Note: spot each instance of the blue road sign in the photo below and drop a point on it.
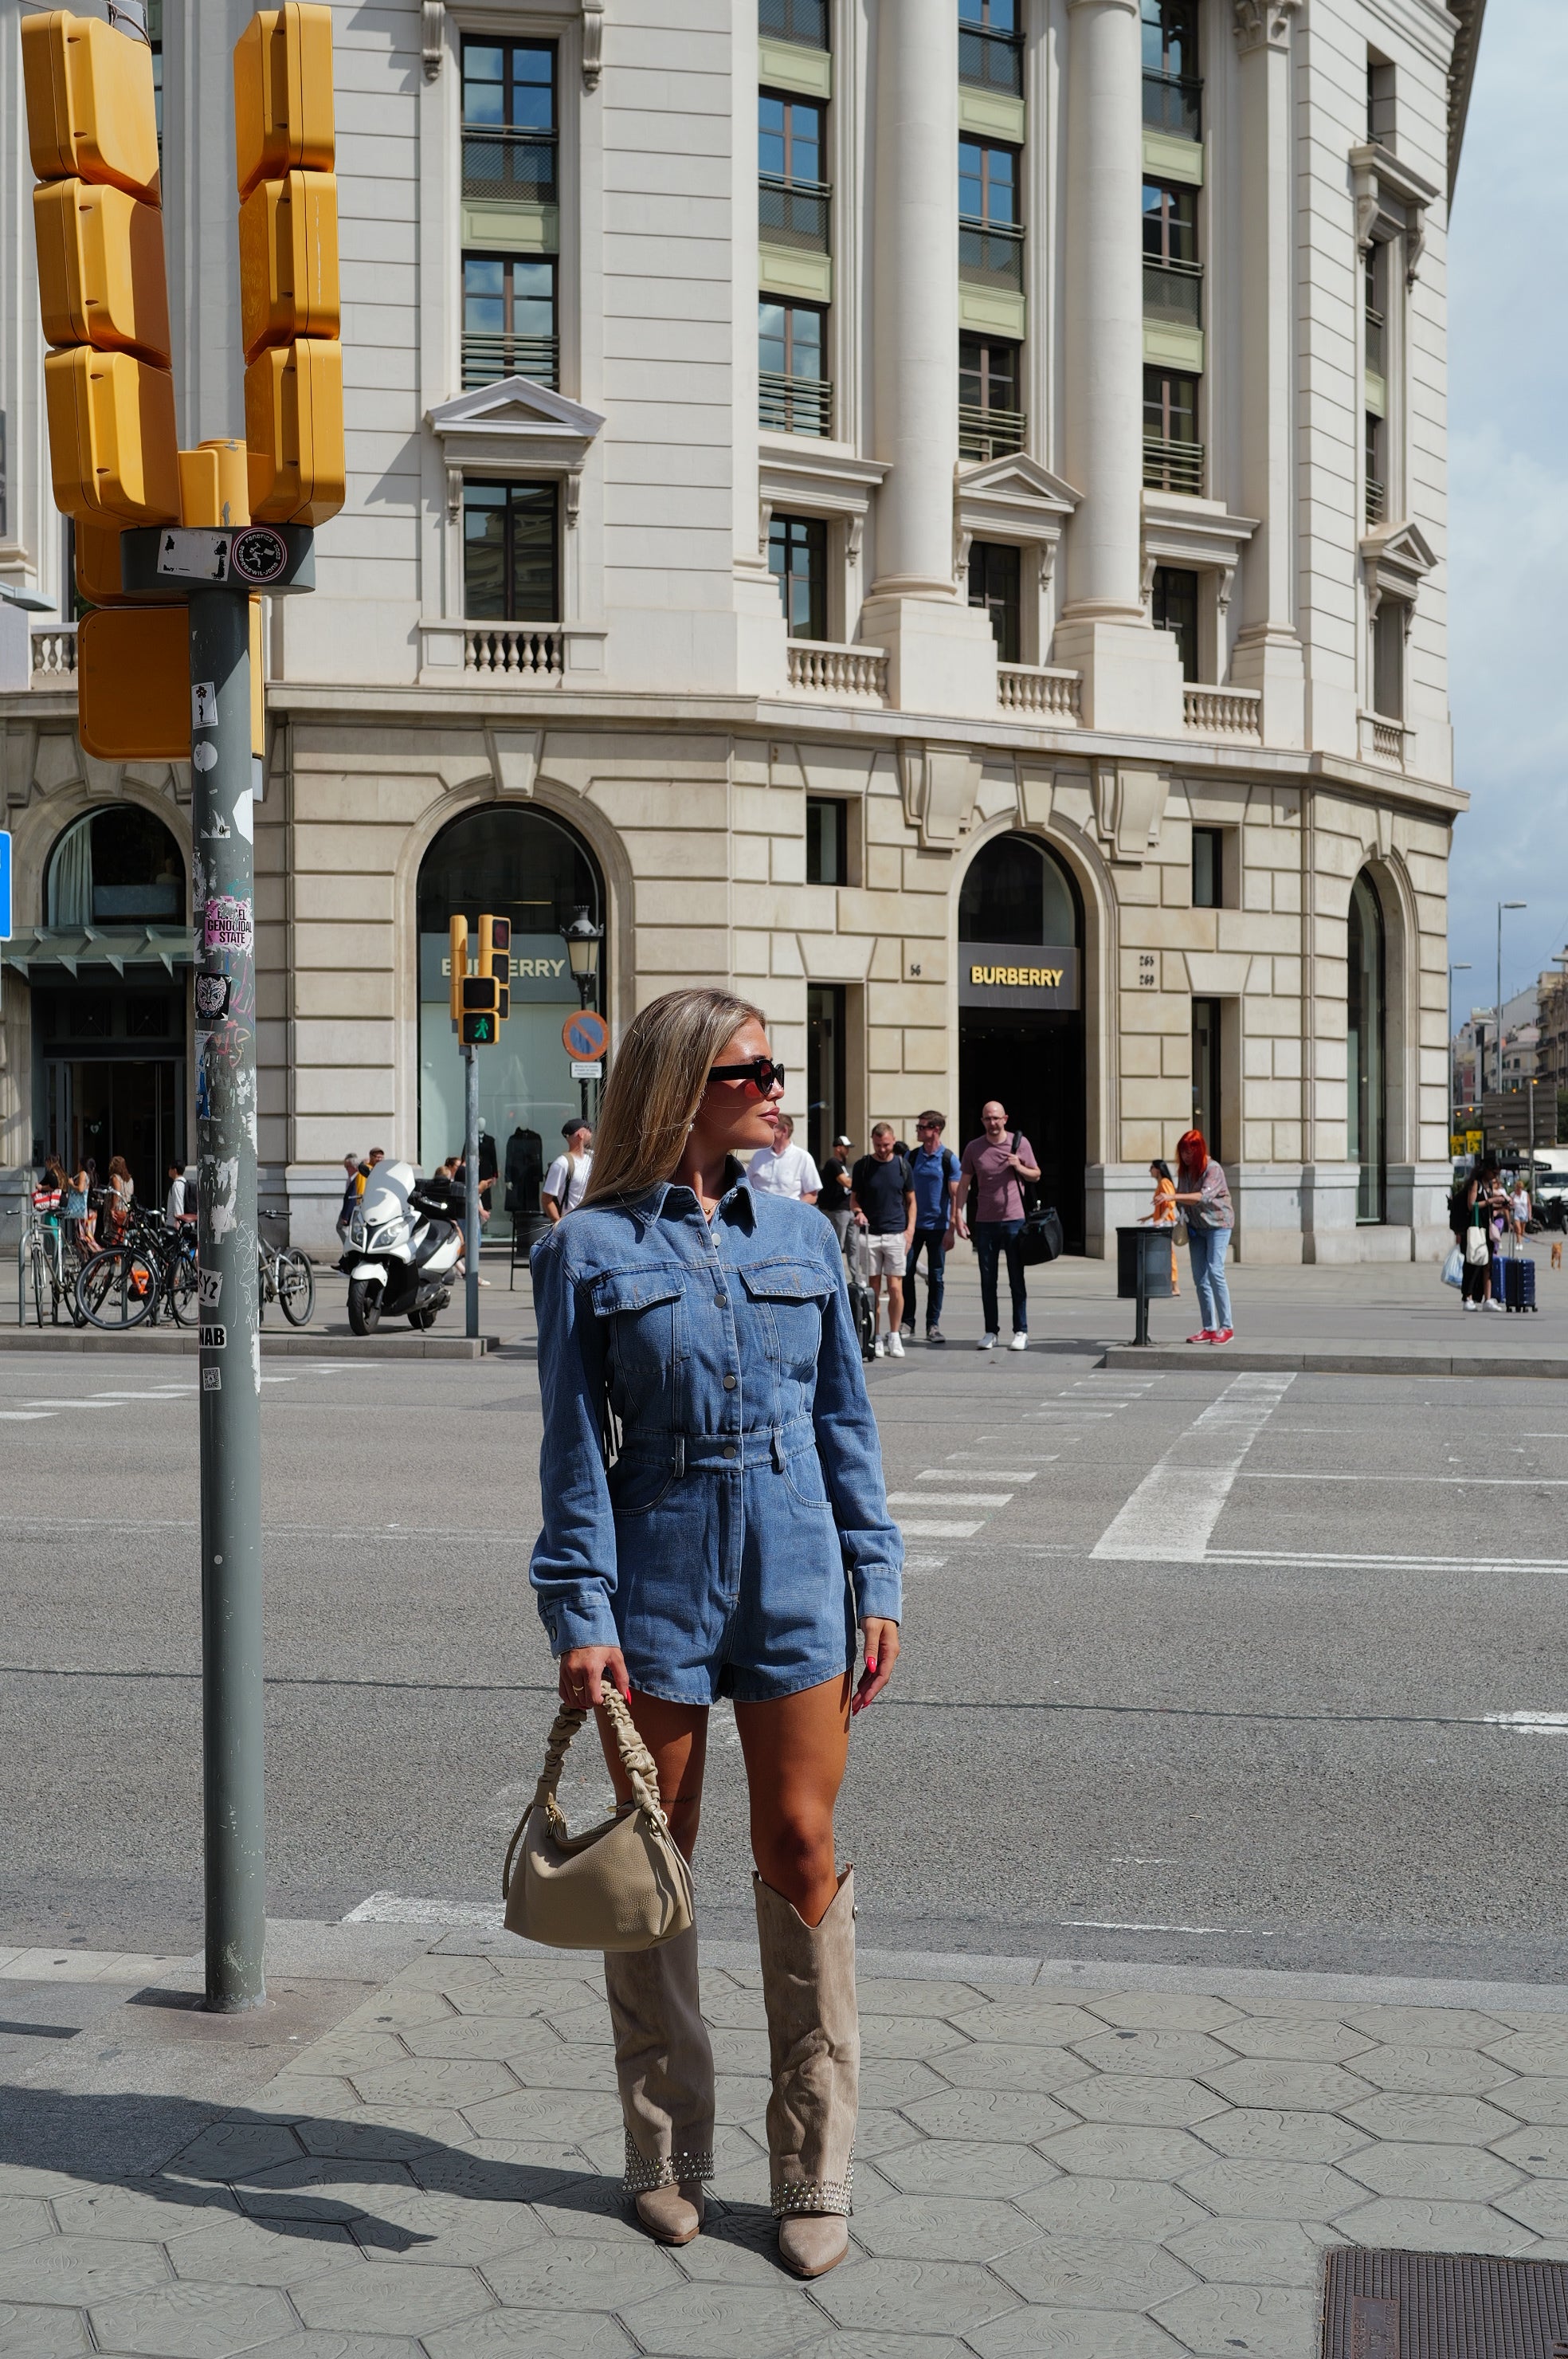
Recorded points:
(5, 887)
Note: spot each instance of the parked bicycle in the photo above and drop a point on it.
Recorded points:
(48, 1266)
(284, 1275)
(152, 1270)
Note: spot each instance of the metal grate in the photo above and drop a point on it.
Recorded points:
(1174, 103)
(989, 433)
(990, 59)
(990, 253)
(1172, 466)
(489, 357)
(1384, 2305)
(793, 212)
(795, 404)
(517, 167)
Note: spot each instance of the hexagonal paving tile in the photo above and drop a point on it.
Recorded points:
(346, 2053)
(1431, 2121)
(1427, 2026)
(519, 2000)
(246, 2253)
(1540, 2203)
(1268, 2321)
(192, 2321)
(587, 2272)
(490, 2038)
(1460, 2174)
(882, 2347)
(1142, 2097)
(1256, 2252)
(1543, 2151)
(1162, 2011)
(591, 2023)
(398, 2010)
(1540, 2051)
(24, 2219)
(1288, 2088)
(1088, 2272)
(1074, 2335)
(1420, 2227)
(941, 2228)
(1017, 2020)
(875, 2133)
(498, 2170)
(527, 2334)
(907, 2035)
(1284, 2136)
(1120, 2150)
(30, 2332)
(450, 2229)
(1248, 2189)
(323, 2343)
(81, 2269)
(989, 2113)
(920, 2295)
(1434, 2071)
(149, 2210)
(1535, 2100)
(378, 2296)
(715, 2322)
(234, 2148)
(434, 2081)
(1190, 2054)
(545, 2114)
(1295, 2039)
(323, 2187)
(993, 2064)
(965, 2167)
(1138, 2208)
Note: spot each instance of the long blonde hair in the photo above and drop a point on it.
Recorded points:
(655, 1086)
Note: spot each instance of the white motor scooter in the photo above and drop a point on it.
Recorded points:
(404, 1245)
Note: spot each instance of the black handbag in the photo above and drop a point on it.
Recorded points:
(1042, 1239)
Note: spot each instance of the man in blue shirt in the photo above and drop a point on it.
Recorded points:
(936, 1173)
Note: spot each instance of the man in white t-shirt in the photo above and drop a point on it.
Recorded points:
(783, 1169)
(567, 1178)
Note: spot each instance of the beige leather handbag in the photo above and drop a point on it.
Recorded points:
(621, 1886)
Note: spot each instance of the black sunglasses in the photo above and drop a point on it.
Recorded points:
(761, 1071)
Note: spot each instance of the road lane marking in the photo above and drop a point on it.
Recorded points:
(1342, 1561)
(1172, 1514)
(1463, 1481)
(929, 1531)
(950, 1499)
(1530, 1723)
(997, 1474)
(24, 1416)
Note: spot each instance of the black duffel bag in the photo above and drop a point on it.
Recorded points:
(1041, 1238)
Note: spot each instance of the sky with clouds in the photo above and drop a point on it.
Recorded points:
(1508, 504)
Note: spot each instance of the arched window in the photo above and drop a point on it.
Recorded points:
(530, 868)
(1367, 1026)
(1016, 891)
(120, 866)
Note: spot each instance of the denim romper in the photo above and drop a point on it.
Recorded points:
(710, 1471)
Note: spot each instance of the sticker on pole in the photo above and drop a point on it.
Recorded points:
(259, 554)
(230, 926)
(212, 997)
(212, 1289)
(214, 1339)
(194, 556)
(203, 705)
(585, 1037)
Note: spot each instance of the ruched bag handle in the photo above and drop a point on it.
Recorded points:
(635, 1759)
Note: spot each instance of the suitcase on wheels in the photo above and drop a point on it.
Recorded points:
(1518, 1281)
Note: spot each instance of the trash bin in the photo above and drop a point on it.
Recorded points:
(1144, 1270)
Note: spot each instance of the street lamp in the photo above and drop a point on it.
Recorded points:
(1501, 907)
(583, 939)
(1455, 966)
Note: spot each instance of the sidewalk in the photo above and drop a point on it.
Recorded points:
(1054, 2162)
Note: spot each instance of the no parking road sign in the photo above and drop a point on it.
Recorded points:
(585, 1037)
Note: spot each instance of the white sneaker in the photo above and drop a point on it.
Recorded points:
(1469, 1306)
(895, 1347)
(879, 1348)
(1019, 1341)
(986, 1344)
(1490, 1305)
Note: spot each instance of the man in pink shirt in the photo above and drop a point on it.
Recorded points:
(998, 1163)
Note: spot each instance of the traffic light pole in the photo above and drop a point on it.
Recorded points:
(222, 826)
(471, 1184)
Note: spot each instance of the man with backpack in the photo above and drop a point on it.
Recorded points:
(882, 1193)
(936, 1177)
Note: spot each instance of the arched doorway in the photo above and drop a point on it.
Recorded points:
(531, 867)
(107, 975)
(1366, 1023)
(1020, 1021)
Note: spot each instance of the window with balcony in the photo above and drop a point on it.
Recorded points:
(1173, 275)
(1175, 608)
(804, 22)
(996, 585)
(827, 840)
(795, 398)
(797, 560)
(1172, 93)
(1376, 478)
(1173, 454)
(990, 50)
(1379, 101)
(510, 122)
(792, 197)
(990, 420)
(511, 552)
(990, 228)
(509, 317)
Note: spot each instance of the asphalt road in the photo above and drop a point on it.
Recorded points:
(1241, 1688)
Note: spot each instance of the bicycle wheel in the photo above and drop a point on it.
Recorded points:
(185, 1287)
(117, 1288)
(296, 1287)
(36, 1256)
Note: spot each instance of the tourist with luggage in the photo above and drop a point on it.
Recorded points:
(996, 1166)
(938, 1177)
(1204, 1199)
(882, 1195)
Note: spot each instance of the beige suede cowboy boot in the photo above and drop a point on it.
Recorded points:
(814, 2040)
(663, 2064)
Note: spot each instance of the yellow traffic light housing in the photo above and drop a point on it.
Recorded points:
(283, 94)
(477, 1031)
(481, 992)
(289, 261)
(294, 426)
(90, 111)
(132, 683)
(100, 269)
(112, 450)
(458, 965)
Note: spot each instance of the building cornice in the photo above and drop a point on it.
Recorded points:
(1467, 15)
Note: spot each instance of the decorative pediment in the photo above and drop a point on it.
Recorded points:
(1391, 201)
(795, 471)
(1014, 498)
(1398, 558)
(1200, 534)
(516, 423)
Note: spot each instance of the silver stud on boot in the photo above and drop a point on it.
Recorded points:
(663, 2065)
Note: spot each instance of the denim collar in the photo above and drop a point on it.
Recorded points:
(737, 1204)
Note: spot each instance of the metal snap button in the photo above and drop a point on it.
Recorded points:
(730, 1384)
(730, 1453)
(723, 1300)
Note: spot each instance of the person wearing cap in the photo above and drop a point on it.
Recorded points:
(833, 1197)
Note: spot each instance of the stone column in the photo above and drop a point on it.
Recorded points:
(1268, 652)
(942, 656)
(761, 645)
(1131, 675)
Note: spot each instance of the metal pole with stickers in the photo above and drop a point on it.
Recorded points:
(175, 550)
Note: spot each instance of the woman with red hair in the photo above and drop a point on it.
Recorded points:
(1204, 1199)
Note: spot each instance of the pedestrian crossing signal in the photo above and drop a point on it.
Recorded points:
(480, 993)
(477, 1031)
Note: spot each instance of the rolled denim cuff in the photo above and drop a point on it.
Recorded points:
(583, 1621)
(879, 1590)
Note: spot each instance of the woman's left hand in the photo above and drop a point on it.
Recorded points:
(880, 1639)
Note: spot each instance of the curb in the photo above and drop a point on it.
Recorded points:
(1370, 1363)
(184, 1344)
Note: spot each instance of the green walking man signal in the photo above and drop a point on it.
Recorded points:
(478, 1031)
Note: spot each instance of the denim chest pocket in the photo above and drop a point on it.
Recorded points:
(643, 1313)
(789, 1298)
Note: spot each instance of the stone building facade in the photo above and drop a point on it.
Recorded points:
(933, 514)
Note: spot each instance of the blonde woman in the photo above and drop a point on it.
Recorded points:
(716, 1525)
